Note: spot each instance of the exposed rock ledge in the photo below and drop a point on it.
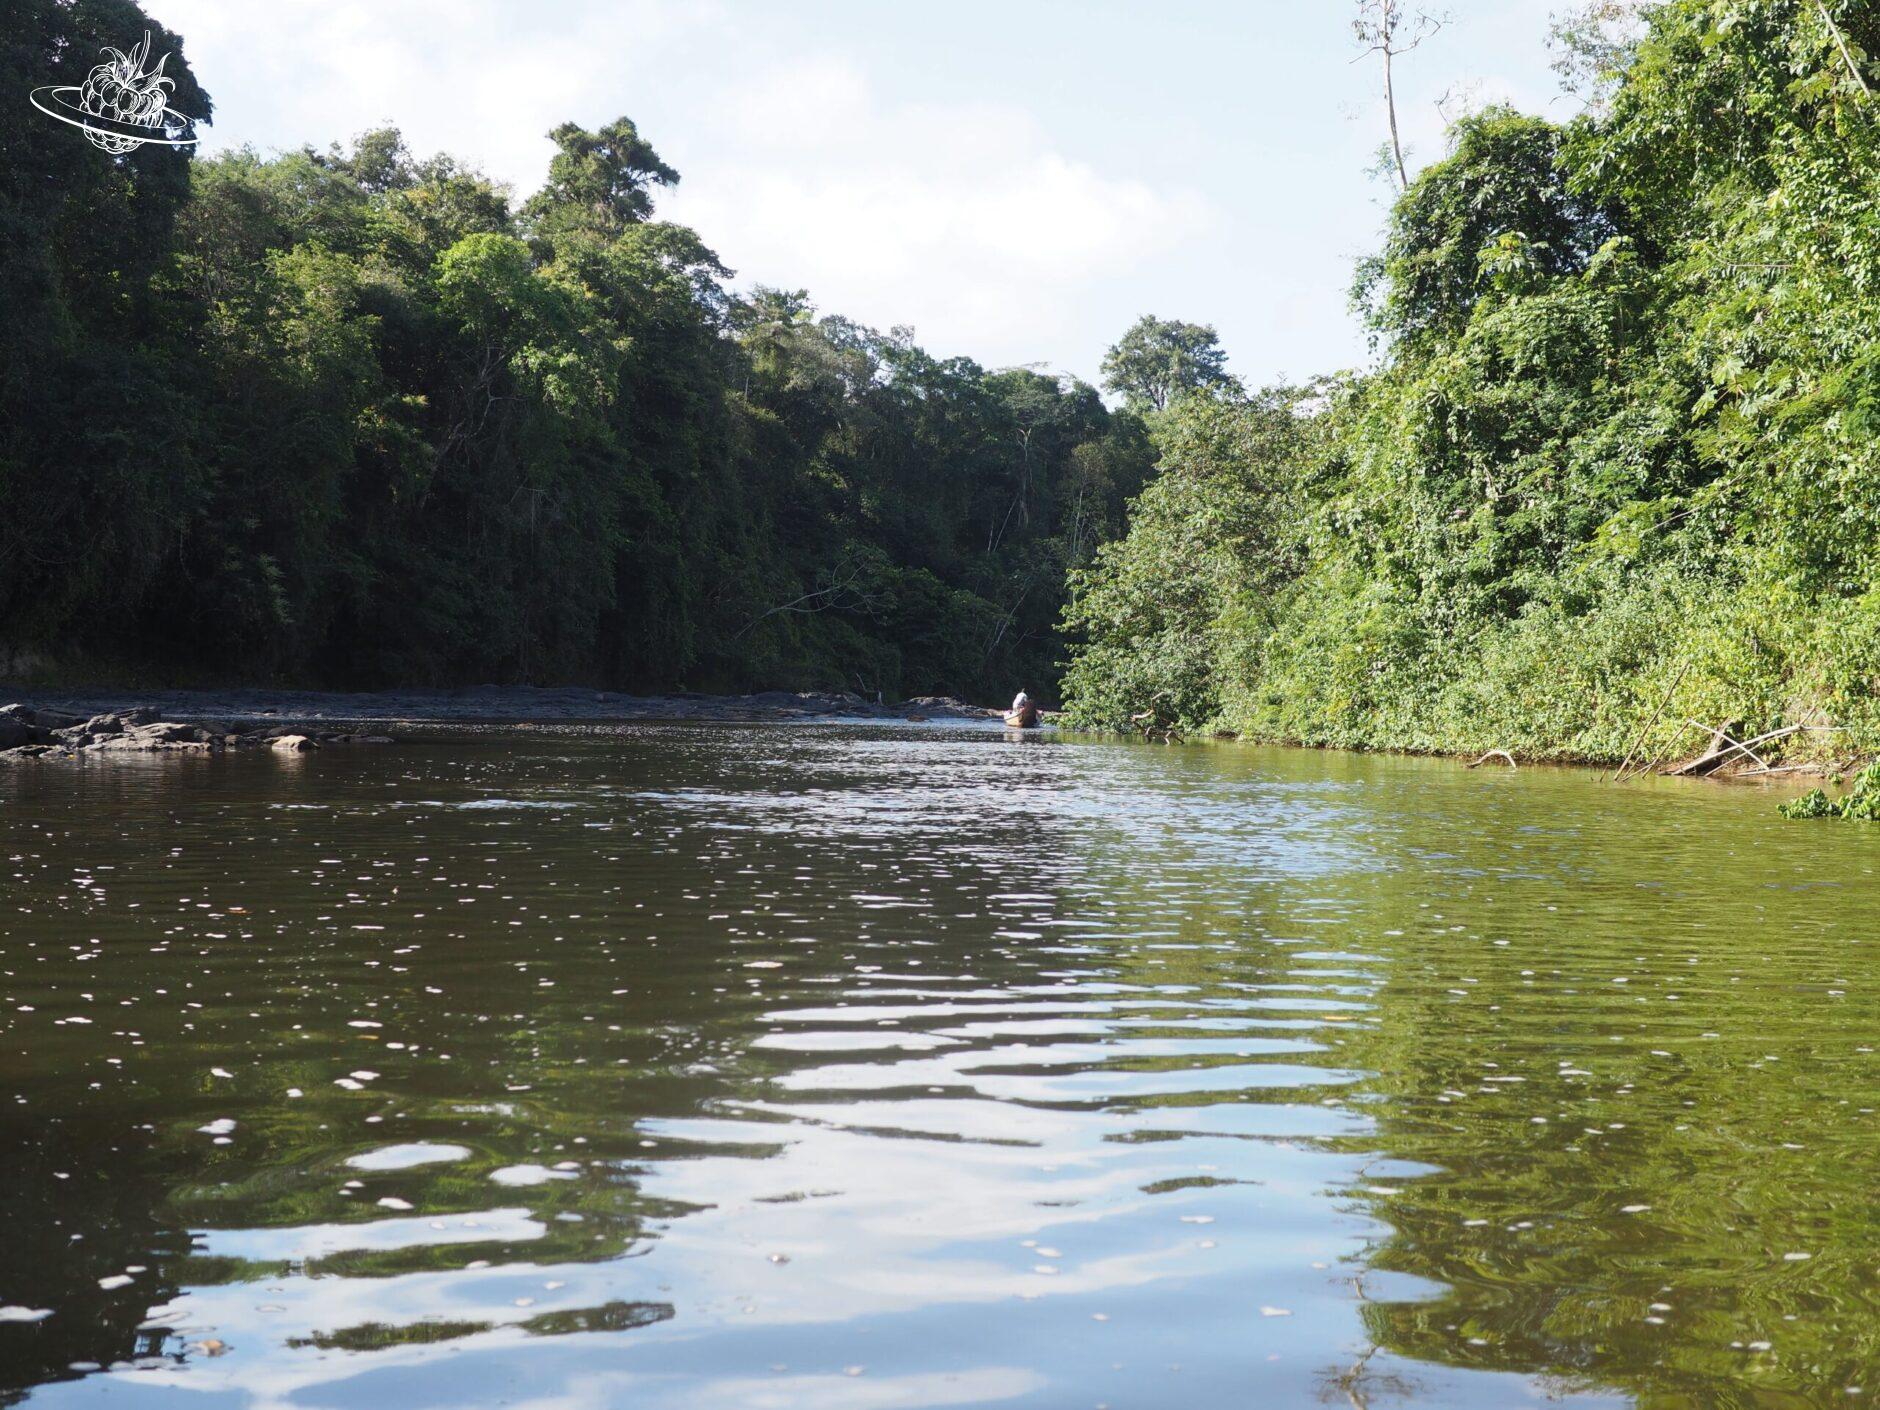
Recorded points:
(71, 724)
(29, 732)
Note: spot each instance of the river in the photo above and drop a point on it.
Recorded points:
(902, 1066)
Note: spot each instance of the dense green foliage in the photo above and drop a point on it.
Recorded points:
(1160, 360)
(1618, 468)
(1861, 803)
(357, 418)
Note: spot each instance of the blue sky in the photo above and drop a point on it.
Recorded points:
(1018, 180)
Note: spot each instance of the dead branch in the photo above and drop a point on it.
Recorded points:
(1676, 682)
(1709, 762)
(1376, 28)
(1715, 757)
(821, 600)
(1148, 722)
(1495, 754)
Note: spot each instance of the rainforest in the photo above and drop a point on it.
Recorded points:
(1615, 480)
(358, 417)
(517, 883)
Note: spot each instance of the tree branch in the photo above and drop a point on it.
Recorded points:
(1840, 42)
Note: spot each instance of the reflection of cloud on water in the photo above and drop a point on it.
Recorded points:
(980, 1386)
(311, 1241)
(935, 787)
(407, 1155)
(869, 1050)
(866, 1228)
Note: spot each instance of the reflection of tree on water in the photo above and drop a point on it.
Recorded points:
(1647, 1171)
(95, 1191)
(608, 1317)
(1609, 1146)
(77, 1212)
(1357, 1383)
(89, 1201)
(588, 1072)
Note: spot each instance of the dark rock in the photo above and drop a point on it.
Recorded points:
(104, 724)
(44, 718)
(15, 732)
(946, 707)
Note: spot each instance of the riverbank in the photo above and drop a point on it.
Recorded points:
(1721, 758)
(52, 723)
(29, 732)
(45, 724)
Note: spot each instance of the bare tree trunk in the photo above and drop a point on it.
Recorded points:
(1381, 28)
(1389, 25)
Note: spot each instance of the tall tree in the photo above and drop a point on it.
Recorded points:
(599, 181)
(1618, 469)
(1160, 360)
(1386, 29)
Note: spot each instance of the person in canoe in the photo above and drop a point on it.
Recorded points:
(1023, 714)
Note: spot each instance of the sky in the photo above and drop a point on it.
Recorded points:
(1017, 180)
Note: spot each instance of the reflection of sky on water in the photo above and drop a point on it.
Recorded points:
(871, 1068)
(936, 794)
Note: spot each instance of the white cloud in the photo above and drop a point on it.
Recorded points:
(1018, 201)
(968, 220)
(482, 79)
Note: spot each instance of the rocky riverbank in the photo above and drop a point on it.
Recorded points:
(28, 732)
(68, 724)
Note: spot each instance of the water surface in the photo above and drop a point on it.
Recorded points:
(890, 1067)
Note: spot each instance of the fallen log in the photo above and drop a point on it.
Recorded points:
(1717, 756)
(1723, 749)
(1495, 754)
(1723, 746)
